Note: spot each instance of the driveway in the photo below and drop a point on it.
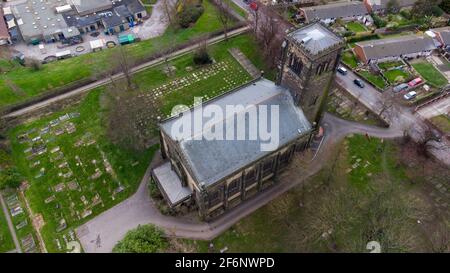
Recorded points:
(103, 232)
(157, 24)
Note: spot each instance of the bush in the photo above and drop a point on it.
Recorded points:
(379, 23)
(361, 38)
(201, 56)
(143, 239)
(35, 65)
(10, 178)
(189, 15)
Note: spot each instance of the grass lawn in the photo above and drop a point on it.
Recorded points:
(366, 196)
(442, 122)
(6, 242)
(81, 173)
(236, 8)
(396, 75)
(391, 64)
(429, 73)
(377, 80)
(22, 83)
(355, 27)
(349, 59)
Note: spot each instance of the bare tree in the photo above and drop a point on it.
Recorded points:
(223, 16)
(132, 121)
(123, 64)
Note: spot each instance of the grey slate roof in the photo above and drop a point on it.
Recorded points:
(315, 38)
(90, 6)
(444, 32)
(134, 6)
(409, 44)
(335, 10)
(171, 184)
(212, 160)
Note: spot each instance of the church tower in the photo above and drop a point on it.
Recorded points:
(309, 59)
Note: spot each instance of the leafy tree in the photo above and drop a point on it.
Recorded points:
(392, 6)
(445, 5)
(423, 8)
(143, 239)
(10, 178)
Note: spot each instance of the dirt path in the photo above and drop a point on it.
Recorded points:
(10, 225)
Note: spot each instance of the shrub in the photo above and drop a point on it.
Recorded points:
(201, 56)
(379, 23)
(189, 15)
(360, 38)
(35, 65)
(143, 239)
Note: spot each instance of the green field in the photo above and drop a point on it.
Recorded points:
(442, 122)
(355, 27)
(6, 242)
(362, 195)
(86, 170)
(22, 83)
(430, 74)
(349, 59)
(377, 80)
(396, 75)
(390, 64)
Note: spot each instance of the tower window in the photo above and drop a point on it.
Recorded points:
(295, 64)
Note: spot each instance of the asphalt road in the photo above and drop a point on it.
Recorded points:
(438, 108)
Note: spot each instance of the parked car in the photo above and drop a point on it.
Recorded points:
(342, 70)
(415, 82)
(410, 95)
(400, 87)
(359, 83)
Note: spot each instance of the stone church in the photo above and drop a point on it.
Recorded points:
(218, 175)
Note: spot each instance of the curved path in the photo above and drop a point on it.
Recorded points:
(102, 233)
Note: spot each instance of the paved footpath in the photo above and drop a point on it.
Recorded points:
(104, 231)
(10, 225)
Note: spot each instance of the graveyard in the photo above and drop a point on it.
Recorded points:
(73, 172)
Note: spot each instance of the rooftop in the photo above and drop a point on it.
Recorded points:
(377, 49)
(40, 18)
(90, 6)
(212, 160)
(171, 184)
(444, 32)
(315, 38)
(3, 28)
(335, 10)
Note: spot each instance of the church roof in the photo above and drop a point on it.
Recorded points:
(315, 38)
(212, 160)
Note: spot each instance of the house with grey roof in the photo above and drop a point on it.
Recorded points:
(442, 35)
(347, 10)
(218, 173)
(4, 33)
(381, 5)
(393, 48)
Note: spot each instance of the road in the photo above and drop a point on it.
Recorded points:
(104, 231)
(10, 225)
(134, 70)
(397, 116)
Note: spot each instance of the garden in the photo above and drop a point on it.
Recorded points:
(430, 74)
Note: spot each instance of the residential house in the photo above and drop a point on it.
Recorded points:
(379, 6)
(348, 10)
(393, 48)
(4, 33)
